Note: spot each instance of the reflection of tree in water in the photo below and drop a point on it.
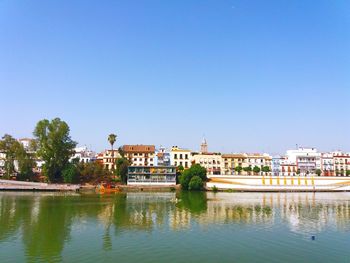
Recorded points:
(46, 233)
(195, 202)
(141, 211)
(45, 237)
(14, 210)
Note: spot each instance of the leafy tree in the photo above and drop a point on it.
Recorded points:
(238, 169)
(179, 170)
(188, 174)
(298, 171)
(92, 172)
(318, 172)
(347, 172)
(70, 173)
(247, 169)
(266, 169)
(16, 154)
(26, 163)
(9, 146)
(256, 169)
(54, 147)
(196, 183)
(122, 169)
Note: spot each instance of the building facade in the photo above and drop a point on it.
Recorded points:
(210, 161)
(140, 155)
(180, 157)
(107, 159)
(307, 160)
(162, 157)
(341, 163)
(156, 175)
(84, 155)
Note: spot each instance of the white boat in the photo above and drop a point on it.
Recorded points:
(278, 183)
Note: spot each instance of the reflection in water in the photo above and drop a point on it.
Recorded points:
(44, 222)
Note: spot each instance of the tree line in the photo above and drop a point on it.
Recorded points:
(53, 145)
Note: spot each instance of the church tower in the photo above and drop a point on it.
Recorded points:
(204, 146)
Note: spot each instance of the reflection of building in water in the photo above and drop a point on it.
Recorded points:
(230, 208)
(180, 219)
(303, 213)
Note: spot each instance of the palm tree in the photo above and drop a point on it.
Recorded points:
(112, 138)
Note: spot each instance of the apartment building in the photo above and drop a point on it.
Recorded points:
(140, 155)
(210, 161)
(231, 161)
(180, 156)
(341, 163)
(107, 158)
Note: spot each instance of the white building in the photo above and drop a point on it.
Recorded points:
(327, 164)
(83, 154)
(307, 160)
(341, 163)
(140, 155)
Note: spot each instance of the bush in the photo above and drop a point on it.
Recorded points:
(196, 183)
(214, 188)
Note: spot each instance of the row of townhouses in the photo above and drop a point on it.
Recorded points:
(300, 161)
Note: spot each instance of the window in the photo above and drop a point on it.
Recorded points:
(186, 156)
(175, 156)
(180, 155)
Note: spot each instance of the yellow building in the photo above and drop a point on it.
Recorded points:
(180, 156)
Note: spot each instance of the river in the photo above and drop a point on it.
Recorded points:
(174, 227)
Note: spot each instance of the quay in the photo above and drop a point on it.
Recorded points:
(279, 183)
(9, 185)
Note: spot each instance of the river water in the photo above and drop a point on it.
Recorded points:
(175, 227)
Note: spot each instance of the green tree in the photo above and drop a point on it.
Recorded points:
(70, 174)
(188, 174)
(122, 169)
(196, 183)
(298, 171)
(16, 154)
(26, 163)
(238, 169)
(266, 169)
(54, 147)
(318, 172)
(347, 172)
(92, 172)
(9, 146)
(256, 169)
(247, 169)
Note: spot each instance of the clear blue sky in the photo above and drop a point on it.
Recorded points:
(250, 75)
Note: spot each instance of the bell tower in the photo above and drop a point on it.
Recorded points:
(204, 146)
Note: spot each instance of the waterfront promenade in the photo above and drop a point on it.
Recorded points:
(9, 185)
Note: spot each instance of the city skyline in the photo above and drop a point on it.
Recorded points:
(250, 77)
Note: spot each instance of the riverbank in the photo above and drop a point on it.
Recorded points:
(9, 185)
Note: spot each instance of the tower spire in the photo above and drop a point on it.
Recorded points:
(204, 146)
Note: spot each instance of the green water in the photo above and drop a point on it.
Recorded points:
(175, 227)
